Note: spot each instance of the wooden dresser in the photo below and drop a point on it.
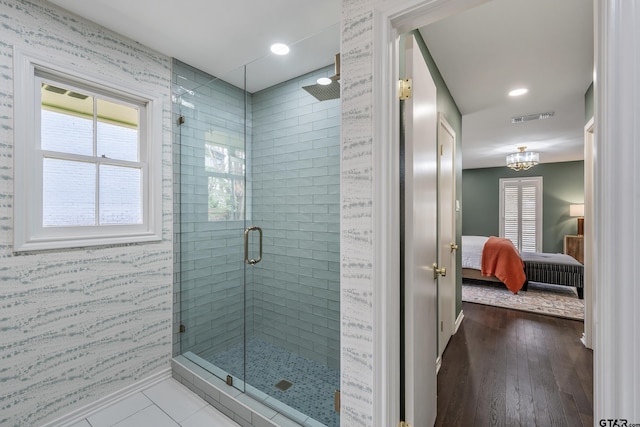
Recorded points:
(574, 246)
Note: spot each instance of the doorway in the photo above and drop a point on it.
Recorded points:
(376, 26)
(441, 242)
(397, 18)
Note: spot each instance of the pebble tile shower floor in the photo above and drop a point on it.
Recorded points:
(313, 384)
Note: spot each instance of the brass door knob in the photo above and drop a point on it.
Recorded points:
(440, 271)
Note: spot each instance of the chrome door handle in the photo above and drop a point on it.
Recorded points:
(441, 271)
(246, 245)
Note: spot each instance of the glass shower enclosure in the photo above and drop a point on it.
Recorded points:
(256, 201)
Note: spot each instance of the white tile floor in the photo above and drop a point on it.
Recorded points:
(166, 404)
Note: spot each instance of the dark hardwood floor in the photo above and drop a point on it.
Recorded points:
(511, 368)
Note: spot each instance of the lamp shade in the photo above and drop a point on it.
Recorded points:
(576, 210)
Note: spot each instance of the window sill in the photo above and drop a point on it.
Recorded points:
(75, 243)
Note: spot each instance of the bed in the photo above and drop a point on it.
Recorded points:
(493, 259)
(557, 269)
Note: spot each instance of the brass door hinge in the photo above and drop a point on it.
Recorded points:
(336, 401)
(404, 424)
(182, 328)
(405, 89)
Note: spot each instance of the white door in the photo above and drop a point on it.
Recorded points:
(447, 236)
(589, 233)
(420, 242)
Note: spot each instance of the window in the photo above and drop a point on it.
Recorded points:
(88, 169)
(521, 212)
(224, 161)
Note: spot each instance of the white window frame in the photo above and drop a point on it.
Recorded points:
(29, 234)
(537, 180)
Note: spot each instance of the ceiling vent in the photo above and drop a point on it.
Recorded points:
(539, 116)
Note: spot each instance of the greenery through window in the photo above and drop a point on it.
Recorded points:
(225, 165)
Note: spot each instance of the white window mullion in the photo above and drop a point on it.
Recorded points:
(35, 202)
(95, 154)
(97, 195)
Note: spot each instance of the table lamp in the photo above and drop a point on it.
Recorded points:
(578, 211)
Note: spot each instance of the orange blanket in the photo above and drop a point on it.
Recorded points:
(501, 259)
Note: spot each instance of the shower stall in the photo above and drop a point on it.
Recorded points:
(256, 202)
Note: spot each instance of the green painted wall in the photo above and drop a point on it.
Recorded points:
(588, 103)
(562, 185)
(447, 106)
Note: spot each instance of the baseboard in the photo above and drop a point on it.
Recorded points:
(583, 339)
(458, 321)
(90, 409)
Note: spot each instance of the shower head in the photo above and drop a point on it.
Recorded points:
(324, 92)
(330, 91)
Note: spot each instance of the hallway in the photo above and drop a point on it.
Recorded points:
(508, 368)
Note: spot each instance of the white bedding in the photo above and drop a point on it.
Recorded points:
(472, 251)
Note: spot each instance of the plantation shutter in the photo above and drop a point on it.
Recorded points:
(521, 212)
(511, 214)
(528, 218)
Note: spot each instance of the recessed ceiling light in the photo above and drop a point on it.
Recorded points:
(518, 92)
(279, 48)
(324, 81)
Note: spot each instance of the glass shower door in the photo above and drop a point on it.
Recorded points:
(211, 211)
(292, 308)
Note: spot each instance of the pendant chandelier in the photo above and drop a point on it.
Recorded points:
(522, 160)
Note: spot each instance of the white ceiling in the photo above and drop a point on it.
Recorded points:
(220, 37)
(545, 45)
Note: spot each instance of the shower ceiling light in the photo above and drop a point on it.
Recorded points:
(518, 92)
(279, 48)
(324, 81)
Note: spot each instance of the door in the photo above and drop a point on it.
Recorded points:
(447, 233)
(210, 225)
(589, 233)
(420, 242)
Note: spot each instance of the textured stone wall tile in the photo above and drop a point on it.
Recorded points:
(356, 297)
(78, 324)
